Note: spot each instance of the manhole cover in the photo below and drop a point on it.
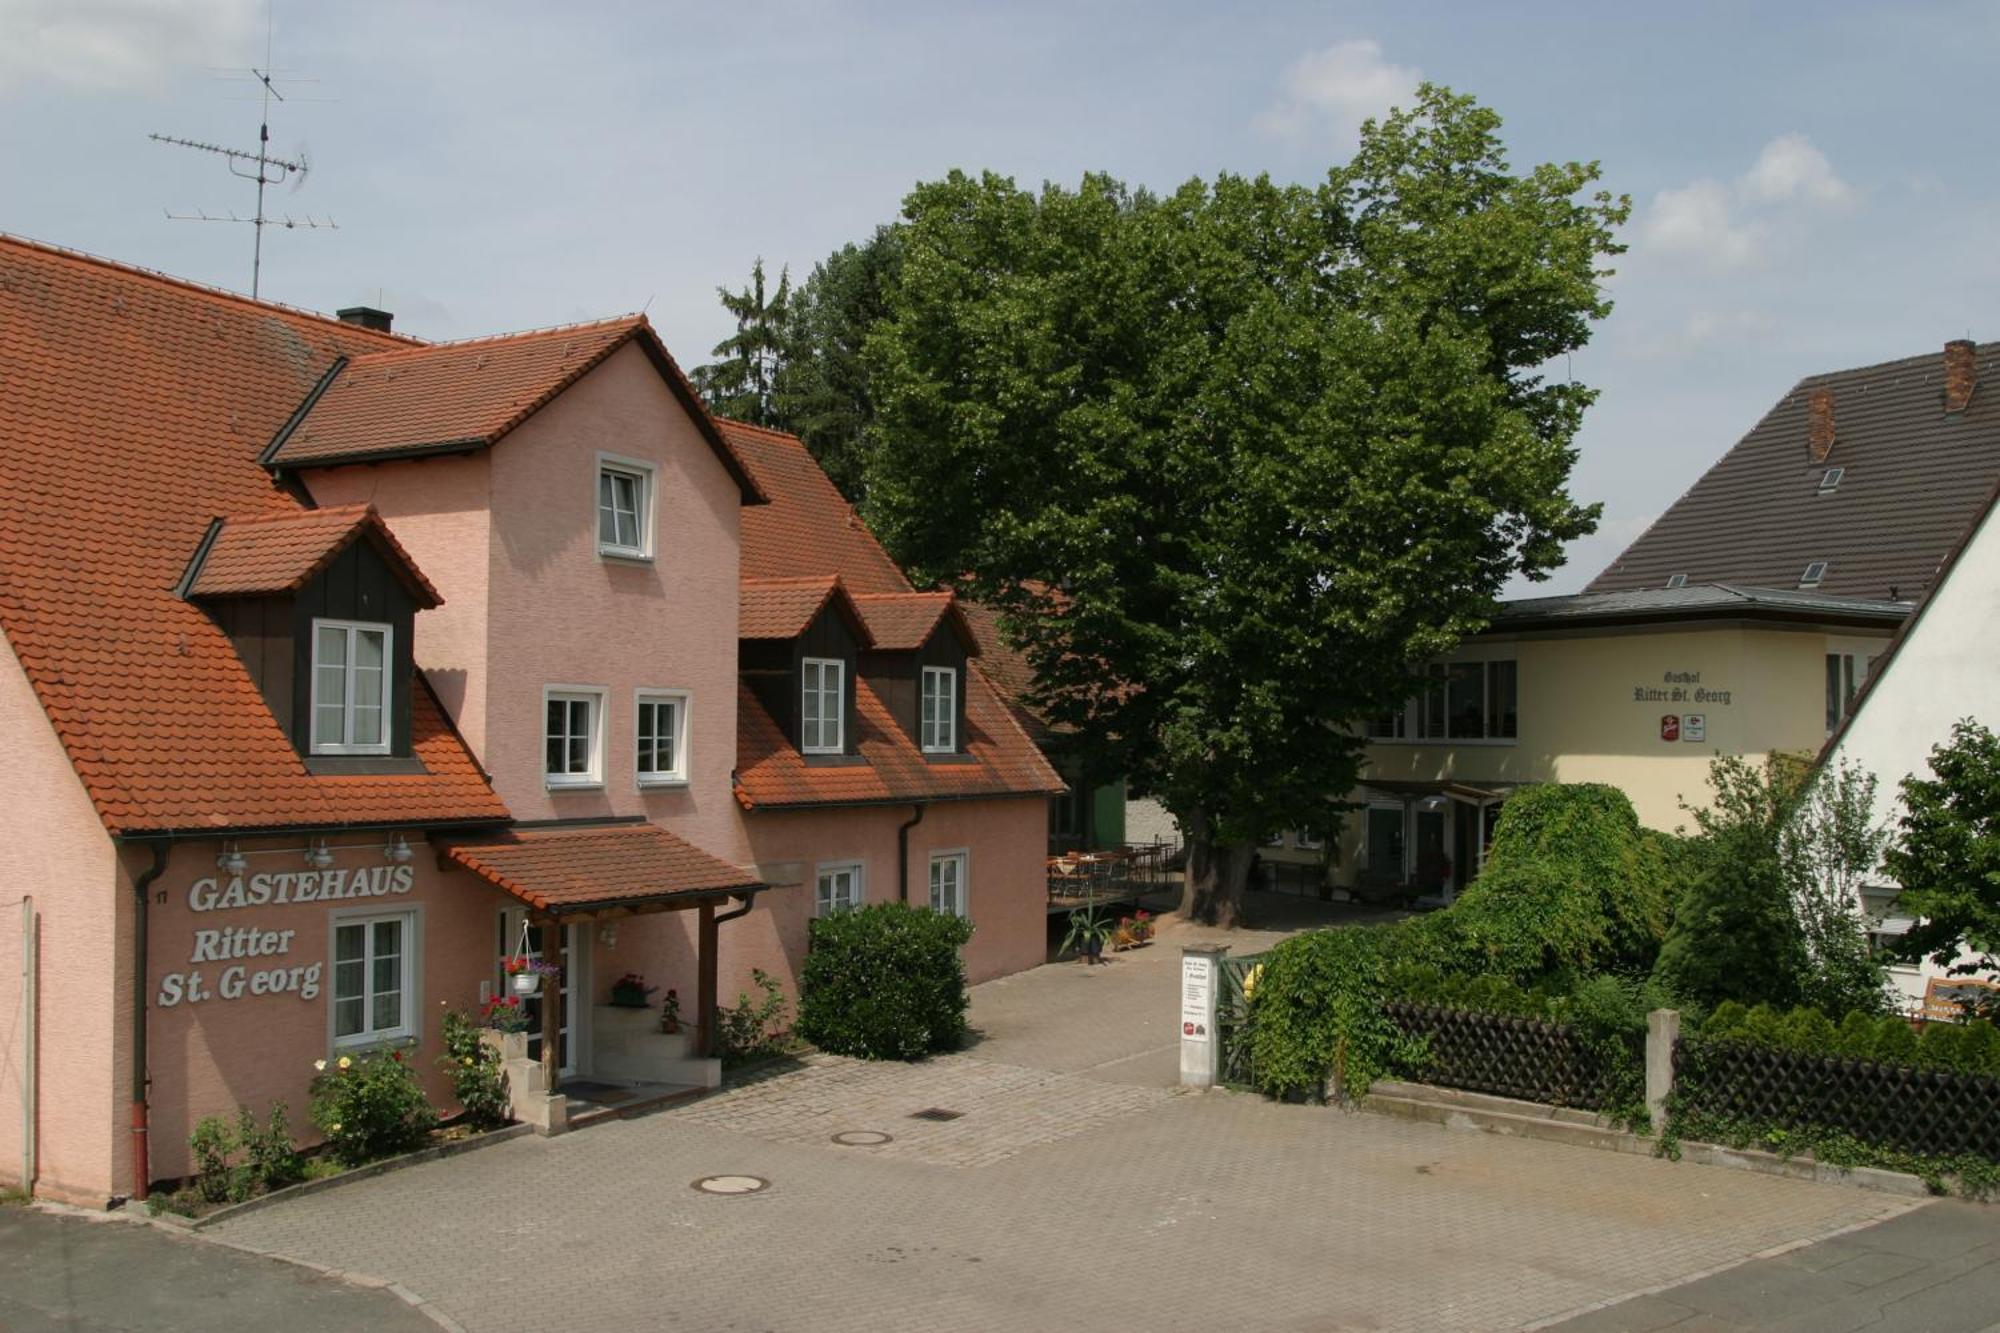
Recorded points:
(862, 1138)
(731, 1184)
(936, 1113)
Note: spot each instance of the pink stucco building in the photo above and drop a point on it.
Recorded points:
(338, 664)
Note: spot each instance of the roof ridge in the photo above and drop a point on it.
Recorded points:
(788, 581)
(1915, 358)
(358, 508)
(772, 431)
(200, 288)
(633, 320)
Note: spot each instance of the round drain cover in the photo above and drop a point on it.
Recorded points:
(862, 1138)
(731, 1184)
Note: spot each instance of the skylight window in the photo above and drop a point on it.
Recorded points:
(1829, 480)
(1677, 580)
(1814, 573)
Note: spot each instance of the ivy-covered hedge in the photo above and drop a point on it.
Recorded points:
(1574, 896)
(885, 982)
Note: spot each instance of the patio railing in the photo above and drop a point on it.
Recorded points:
(1112, 875)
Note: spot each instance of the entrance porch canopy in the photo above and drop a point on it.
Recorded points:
(1458, 791)
(601, 871)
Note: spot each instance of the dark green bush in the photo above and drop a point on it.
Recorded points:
(1856, 1038)
(1808, 1031)
(885, 982)
(1317, 1012)
(1895, 1042)
(1572, 883)
(233, 1166)
(1726, 1020)
(477, 1079)
(751, 1029)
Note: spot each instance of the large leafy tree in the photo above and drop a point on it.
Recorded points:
(1947, 857)
(822, 390)
(739, 382)
(1231, 461)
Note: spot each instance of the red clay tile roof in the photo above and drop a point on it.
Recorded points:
(807, 533)
(458, 397)
(808, 529)
(904, 621)
(132, 413)
(569, 869)
(1002, 761)
(1007, 667)
(276, 553)
(782, 608)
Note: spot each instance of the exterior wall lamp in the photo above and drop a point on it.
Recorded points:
(232, 861)
(318, 855)
(398, 851)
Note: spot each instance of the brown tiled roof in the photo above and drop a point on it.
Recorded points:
(1008, 669)
(457, 397)
(1914, 480)
(132, 410)
(569, 869)
(904, 621)
(1001, 760)
(278, 553)
(808, 528)
(782, 608)
(808, 531)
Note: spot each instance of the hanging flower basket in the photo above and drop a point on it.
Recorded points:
(525, 973)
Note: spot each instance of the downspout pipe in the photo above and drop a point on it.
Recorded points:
(142, 893)
(903, 852)
(749, 900)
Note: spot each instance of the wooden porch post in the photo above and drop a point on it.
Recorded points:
(552, 1017)
(711, 1043)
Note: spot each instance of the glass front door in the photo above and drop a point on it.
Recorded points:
(1433, 865)
(512, 921)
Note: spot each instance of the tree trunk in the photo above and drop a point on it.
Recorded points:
(1217, 876)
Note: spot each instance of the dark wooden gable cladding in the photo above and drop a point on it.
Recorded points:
(774, 669)
(273, 636)
(898, 679)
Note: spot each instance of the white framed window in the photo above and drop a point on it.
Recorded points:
(624, 507)
(823, 705)
(374, 978)
(938, 720)
(1845, 675)
(948, 886)
(660, 720)
(838, 888)
(350, 687)
(573, 736)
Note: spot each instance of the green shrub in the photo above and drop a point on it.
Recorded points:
(370, 1106)
(234, 1165)
(1895, 1043)
(885, 982)
(1808, 1031)
(1942, 1046)
(1572, 883)
(752, 1029)
(1317, 1019)
(1726, 1020)
(1763, 1025)
(478, 1080)
(1982, 1047)
(1856, 1038)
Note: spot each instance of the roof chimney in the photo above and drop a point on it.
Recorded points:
(368, 317)
(1961, 373)
(1819, 424)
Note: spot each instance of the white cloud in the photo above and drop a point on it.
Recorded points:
(1725, 226)
(1338, 88)
(1710, 328)
(1698, 221)
(115, 44)
(1791, 168)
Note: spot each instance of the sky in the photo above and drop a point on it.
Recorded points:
(1810, 185)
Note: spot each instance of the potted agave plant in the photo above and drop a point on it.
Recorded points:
(526, 972)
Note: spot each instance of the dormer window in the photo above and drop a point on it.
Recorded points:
(822, 708)
(1829, 480)
(938, 721)
(1815, 572)
(624, 508)
(350, 687)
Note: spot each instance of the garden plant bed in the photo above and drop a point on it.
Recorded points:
(448, 1141)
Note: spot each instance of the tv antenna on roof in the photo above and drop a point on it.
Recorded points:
(260, 167)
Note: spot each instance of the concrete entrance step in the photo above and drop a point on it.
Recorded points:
(1481, 1101)
(1527, 1120)
(642, 1098)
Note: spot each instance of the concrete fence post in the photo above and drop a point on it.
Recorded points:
(1663, 1029)
(1201, 987)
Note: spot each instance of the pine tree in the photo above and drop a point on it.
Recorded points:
(740, 381)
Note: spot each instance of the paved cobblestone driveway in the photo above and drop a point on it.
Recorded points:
(1064, 1197)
